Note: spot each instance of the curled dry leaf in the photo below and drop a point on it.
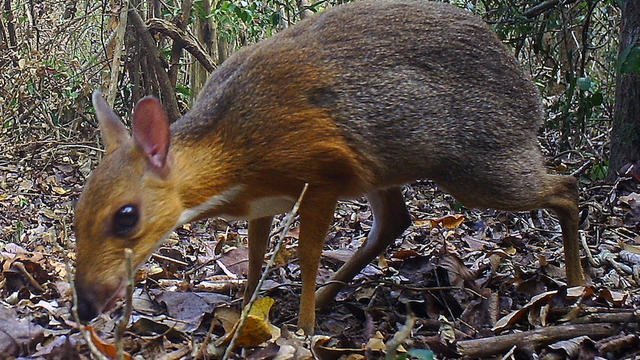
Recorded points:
(571, 347)
(449, 221)
(533, 310)
(323, 351)
(257, 329)
(108, 349)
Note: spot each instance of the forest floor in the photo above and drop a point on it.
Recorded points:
(457, 277)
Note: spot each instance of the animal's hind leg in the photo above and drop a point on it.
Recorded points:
(563, 200)
(390, 219)
(523, 192)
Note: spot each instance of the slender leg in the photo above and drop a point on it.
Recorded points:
(316, 215)
(564, 201)
(258, 241)
(390, 219)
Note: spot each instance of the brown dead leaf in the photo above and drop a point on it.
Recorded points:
(536, 310)
(108, 349)
(228, 317)
(376, 343)
(17, 334)
(236, 261)
(449, 221)
(613, 297)
(571, 348)
(293, 347)
(404, 254)
(323, 351)
(457, 270)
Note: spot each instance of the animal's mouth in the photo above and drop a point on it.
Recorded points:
(118, 294)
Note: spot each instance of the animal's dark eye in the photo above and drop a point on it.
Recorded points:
(125, 220)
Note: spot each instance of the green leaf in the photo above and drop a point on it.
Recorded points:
(599, 172)
(584, 83)
(275, 19)
(596, 99)
(184, 90)
(421, 354)
(629, 62)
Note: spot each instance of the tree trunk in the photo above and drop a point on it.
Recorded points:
(205, 31)
(11, 27)
(303, 9)
(176, 48)
(625, 135)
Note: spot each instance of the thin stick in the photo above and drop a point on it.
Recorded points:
(117, 53)
(74, 308)
(74, 313)
(400, 336)
(168, 259)
(20, 266)
(245, 311)
(128, 308)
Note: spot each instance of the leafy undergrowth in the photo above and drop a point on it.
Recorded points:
(457, 283)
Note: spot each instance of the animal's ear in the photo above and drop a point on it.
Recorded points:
(112, 130)
(151, 131)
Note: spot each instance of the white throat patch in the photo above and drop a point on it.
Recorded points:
(225, 197)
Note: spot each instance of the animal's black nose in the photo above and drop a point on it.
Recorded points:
(86, 310)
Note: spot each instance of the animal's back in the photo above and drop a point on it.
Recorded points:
(420, 89)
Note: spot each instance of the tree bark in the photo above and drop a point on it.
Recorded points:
(183, 40)
(167, 91)
(303, 9)
(176, 49)
(116, 63)
(206, 34)
(625, 135)
(11, 27)
(485, 347)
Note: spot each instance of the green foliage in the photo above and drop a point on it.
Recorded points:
(418, 354)
(247, 21)
(598, 172)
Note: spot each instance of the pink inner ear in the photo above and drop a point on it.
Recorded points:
(151, 130)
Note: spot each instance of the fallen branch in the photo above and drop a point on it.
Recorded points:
(543, 7)
(531, 339)
(612, 318)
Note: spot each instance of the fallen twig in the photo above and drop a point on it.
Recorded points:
(74, 307)
(531, 339)
(74, 313)
(20, 266)
(128, 307)
(400, 336)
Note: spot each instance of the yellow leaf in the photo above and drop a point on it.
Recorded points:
(58, 190)
(257, 329)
